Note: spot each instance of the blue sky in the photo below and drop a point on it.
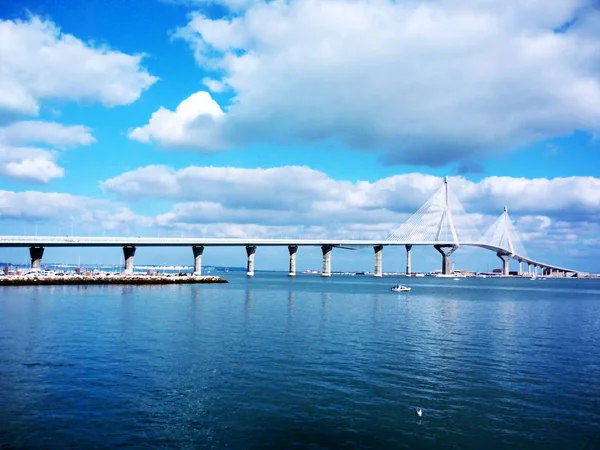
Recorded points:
(332, 119)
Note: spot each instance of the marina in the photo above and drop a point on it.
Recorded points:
(43, 278)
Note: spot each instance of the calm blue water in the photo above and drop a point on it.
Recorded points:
(276, 363)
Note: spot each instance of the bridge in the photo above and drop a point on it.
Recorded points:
(441, 222)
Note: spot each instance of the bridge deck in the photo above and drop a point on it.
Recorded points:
(102, 241)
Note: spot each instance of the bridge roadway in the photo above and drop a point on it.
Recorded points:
(37, 244)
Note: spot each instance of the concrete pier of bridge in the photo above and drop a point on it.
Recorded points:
(505, 263)
(326, 250)
(292, 249)
(378, 261)
(250, 250)
(408, 259)
(198, 251)
(128, 254)
(446, 262)
(36, 254)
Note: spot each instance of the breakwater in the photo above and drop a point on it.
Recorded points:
(30, 280)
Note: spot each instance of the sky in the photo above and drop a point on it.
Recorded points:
(327, 119)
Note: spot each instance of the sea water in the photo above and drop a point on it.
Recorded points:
(274, 363)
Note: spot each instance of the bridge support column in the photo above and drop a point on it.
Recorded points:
(378, 264)
(292, 249)
(326, 249)
(505, 266)
(129, 253)
(408, 261)
(520, 267)
(446, 264)
(198, 250)
(250, 250)
(36, 254)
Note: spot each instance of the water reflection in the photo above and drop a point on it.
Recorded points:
(127, 290)
(127, 311)
(195, 294)
(325, 301)
(291, 301)
(248, 304)
(376, 299)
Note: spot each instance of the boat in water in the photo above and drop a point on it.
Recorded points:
(400, 288)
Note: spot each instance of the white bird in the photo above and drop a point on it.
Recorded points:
(419, 412)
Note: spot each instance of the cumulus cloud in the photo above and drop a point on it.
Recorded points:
(58, 207)
(52, 133)
(37, 164)
(40, 62)
(426, 83)
(195, 123)
(41, 205)
(300, 188)
(29, 164)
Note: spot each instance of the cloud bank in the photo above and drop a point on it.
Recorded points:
(416, 82)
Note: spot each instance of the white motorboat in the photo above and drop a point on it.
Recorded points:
(400, 288)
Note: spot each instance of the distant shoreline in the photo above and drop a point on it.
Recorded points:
(108, 280)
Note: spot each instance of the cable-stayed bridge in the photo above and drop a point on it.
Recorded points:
(441, 222)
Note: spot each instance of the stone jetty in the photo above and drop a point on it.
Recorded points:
(108, 278)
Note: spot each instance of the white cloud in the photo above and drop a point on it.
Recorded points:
(300, 188)
(52, 133)
(421, 82)
(42, 205)
(67, 209)
(29, 164)
(193, 124)
(214, 85)
(40, 62)
(35, 164)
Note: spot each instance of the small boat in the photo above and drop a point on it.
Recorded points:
(456, 279)
(400, 288)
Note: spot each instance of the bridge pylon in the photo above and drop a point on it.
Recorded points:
(442, 222)
(503, 234)
(442, 219)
